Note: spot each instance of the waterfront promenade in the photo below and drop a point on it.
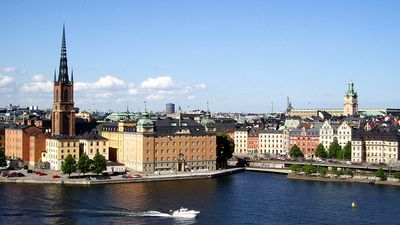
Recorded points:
(76, 180)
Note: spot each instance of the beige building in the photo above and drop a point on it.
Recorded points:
(169, 145)
(377, 146)
(272, 142)
(241, 137)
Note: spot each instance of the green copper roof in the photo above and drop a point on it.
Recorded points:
(145, 121)
(350, 90)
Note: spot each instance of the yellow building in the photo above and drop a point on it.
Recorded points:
(169, 145)
(59, 146)
(57, 149)
(114, 132)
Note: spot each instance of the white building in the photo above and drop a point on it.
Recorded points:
(92, 143)
(329, 131)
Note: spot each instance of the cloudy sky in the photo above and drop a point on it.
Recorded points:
(239, 55)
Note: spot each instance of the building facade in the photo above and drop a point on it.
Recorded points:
(169, 145)
(272, 142)
(306, 139)
(241, 136)
(92, 143)
(377, 146)
(18, 142)
(57, 149)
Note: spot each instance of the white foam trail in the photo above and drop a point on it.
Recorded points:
(180, 213)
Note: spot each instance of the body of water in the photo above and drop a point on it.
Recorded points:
(243, 198)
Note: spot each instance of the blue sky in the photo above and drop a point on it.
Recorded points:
(239, 55)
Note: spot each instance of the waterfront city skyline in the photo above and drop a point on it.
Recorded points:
(239, 56)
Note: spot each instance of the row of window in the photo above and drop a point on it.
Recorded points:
(180, 150)
(174, 158)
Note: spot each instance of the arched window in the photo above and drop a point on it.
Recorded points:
(56, 95)
(66, 95)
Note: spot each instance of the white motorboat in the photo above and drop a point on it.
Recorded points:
(185, 213)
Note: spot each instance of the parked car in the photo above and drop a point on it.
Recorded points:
(20, 175)
(137, 176)
(14, 174)
(4, 174)
(40, 173)
(102, 177)
(56, 176)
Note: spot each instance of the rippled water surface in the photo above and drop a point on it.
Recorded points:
(243, 198)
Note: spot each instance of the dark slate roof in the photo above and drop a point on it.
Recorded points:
(18, 127)
(172, 126)
(254, 132)
(268, 131)
(92, 136)
(63, 137)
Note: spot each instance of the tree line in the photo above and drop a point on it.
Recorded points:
(84, 164)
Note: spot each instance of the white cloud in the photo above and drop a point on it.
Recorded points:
(37, 86)
(158, 83)
(200, 86)
(10, 70)
(164, 87)
(132, 89)
(6, 81)
(156, 97)
(38, 78)
(103, 83)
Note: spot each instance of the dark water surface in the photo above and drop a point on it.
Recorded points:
(244, 198)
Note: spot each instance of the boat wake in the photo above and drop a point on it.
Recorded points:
(180, 213)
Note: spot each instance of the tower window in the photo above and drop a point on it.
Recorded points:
(65, 95)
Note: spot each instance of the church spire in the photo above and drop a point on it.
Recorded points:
(63, 70)
(72, 75)
(55, 80)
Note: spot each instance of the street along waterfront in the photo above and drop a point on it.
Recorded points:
(242, 198)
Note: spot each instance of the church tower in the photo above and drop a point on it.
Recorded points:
(350, 101)
(63, 115)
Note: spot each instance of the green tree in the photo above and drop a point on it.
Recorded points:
(309, 169)
(69, 165)
(84, 163)
(295, 152)
(98, 164)
(3, 161)
(397, 175)
(323, 171)
(320, 152)
(225, 148)
(346, 151)
(334, 149)
(381, 174)
(295, 168)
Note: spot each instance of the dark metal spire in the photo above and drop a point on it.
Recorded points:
(63, 70)
(72, 75)
(55, 76)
